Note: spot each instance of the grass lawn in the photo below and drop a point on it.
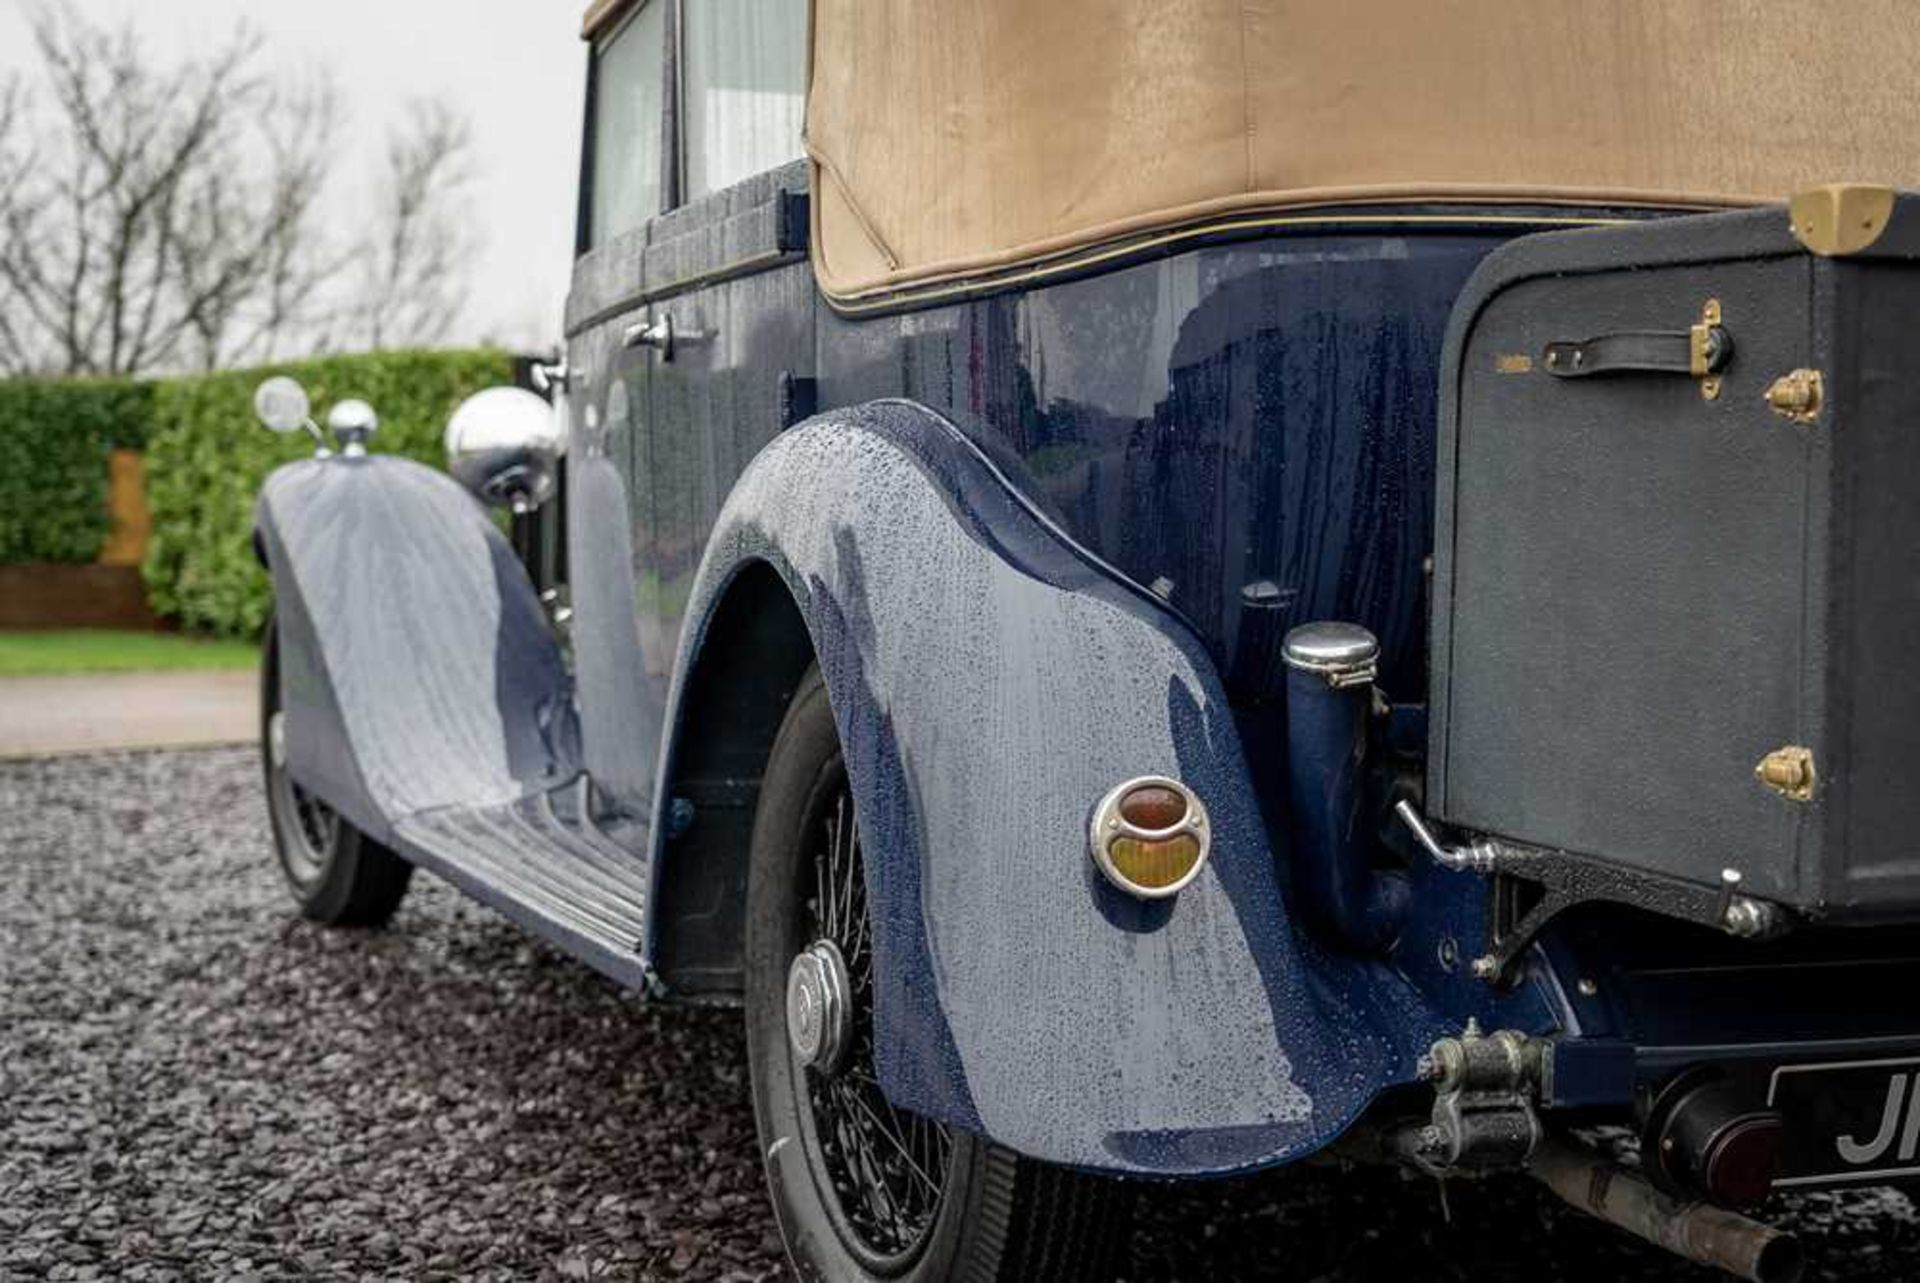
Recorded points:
(89, 650)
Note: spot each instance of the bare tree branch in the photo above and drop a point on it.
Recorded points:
(291, 265)
(413, 267)
(16, 158)
(161, 213)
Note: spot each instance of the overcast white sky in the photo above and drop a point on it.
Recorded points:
(517, 67)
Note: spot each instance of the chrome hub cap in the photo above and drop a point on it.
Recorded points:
(818, 1011)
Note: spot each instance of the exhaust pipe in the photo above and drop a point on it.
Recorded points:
(1700, 1232)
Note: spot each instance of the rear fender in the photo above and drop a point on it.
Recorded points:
(991, 680)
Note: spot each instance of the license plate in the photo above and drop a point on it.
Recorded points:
(1852, 1122)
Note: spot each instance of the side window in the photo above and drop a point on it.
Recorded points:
(743, 88)
(629, 77)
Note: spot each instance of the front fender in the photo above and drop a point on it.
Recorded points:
(415, 661)
(991, 680)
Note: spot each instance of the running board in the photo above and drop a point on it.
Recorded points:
(545, 864)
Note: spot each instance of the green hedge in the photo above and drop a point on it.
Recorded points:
(54, 438)
(207, 456)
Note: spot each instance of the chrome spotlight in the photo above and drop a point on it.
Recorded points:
(505, 445)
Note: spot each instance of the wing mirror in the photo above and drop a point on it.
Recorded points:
(505, 445)
(281, 405)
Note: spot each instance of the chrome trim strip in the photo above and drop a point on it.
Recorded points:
(908, 296)
(751, 265)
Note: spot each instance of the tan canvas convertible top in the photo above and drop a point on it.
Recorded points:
(951, 137)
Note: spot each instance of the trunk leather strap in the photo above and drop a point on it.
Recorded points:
(1702, 350)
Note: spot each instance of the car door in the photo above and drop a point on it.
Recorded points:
(727, 276)
(620, 674)
(691, 334)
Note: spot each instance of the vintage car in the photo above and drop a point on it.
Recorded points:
(1164, 587)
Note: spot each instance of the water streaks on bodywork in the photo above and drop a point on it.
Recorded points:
(991, 680)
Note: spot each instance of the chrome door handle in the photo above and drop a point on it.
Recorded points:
(656, 334)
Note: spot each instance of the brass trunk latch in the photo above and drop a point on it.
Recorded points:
(1797, 395)
(1789, 772)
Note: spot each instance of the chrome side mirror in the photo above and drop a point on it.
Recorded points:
(281, 405)
(505, 444)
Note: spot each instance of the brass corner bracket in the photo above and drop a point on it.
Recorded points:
(1789, 772)
(1840, 218)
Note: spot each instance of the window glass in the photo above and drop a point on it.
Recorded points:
(629, 72)
(743, 89)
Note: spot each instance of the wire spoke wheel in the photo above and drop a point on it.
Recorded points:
(863, 1189)
(887, 1167)
(338, 874)
(310, 838)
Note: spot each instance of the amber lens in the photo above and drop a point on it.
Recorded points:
(1155, 863)
(1153, 807)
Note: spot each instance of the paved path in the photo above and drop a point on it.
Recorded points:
(98, 711)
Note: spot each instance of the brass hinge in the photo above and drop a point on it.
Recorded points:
(1840, 218)
(1798, 395)
(1789, 772)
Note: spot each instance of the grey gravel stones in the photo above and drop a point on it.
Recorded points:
(196, 1084)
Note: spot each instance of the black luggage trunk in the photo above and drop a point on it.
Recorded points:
(1677, 559)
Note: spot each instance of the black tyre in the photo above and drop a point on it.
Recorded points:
(863, 1190)
(339, 875)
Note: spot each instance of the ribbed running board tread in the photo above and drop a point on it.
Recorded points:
(540, 862)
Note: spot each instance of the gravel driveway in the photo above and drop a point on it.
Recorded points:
(195, 1083)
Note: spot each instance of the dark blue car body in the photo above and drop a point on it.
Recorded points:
(1039, 540)
(1022, 530)
(1041, 532)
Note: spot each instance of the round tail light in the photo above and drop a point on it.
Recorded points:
(1150, 836)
